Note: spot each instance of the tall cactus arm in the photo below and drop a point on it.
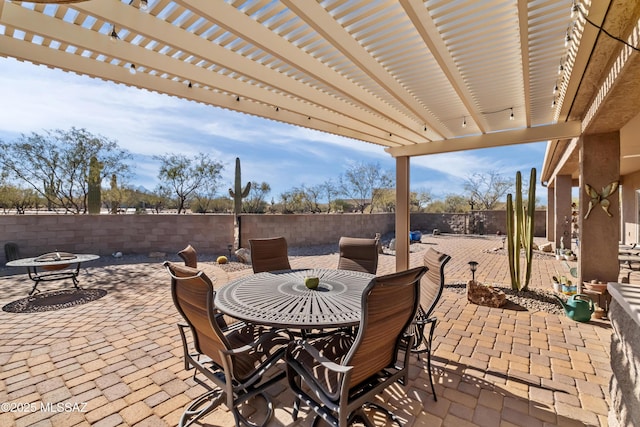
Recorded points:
(530, 229)
(510, 238)
(246, 190)
(518, 226)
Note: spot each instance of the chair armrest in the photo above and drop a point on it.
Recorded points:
(315, 354)
(264, 338)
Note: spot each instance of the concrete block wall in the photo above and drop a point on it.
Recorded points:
(458, 223)
(313, 229)
(210, 234)
(105, 234)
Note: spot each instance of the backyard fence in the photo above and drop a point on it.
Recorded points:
(213, 233)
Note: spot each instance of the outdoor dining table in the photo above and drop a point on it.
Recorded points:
(53, 266)
(281, 299)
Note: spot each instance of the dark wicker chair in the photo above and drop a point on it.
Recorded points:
(358, 254)
(430, 292)
(189, 256)
(235, 361)
(343, 373)
(270, 254)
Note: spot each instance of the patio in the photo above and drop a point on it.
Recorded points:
(121, 354)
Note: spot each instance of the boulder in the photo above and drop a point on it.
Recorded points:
(547, 247)
(485, 295)
(243, 255)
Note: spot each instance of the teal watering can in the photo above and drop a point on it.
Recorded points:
(578, 307)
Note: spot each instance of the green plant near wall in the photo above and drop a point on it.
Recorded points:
(520, 228)
(94, 191)
(238, 193)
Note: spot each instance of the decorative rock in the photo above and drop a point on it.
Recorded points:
(222, 259)
(243, 255)
(485, 295)
(436, 232)
(547, 247)
(392, 245)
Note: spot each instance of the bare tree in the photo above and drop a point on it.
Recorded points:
(56, 165)
(255, 202)
(420, 199)
(313, 197)
(486, 189)
(331, 191)
(359, 182)
(185, 177)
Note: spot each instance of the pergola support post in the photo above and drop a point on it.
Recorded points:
(562, 204)
(599, 233)
(402, 213)
(551, 214)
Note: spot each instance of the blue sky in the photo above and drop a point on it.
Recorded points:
(36, 98)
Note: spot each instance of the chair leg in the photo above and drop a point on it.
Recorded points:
(296, 402)
(241, 420)
(428, 344)
(201, 407)
(359, 413)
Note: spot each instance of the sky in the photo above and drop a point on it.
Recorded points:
(36, 99)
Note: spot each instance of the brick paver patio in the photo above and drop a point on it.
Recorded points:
(117, 361)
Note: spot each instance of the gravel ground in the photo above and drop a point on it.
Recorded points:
(532, 300)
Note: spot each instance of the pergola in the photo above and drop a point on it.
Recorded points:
(412, 76)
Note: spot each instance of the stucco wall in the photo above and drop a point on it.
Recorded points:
(629, 227)
(630, 231)
(105, 234)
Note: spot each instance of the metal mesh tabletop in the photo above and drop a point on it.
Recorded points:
(282, 299)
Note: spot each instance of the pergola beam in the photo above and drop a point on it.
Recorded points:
(512, 137)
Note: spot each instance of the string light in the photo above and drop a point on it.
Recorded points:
(511, 116)
(464, 122)
(132, 69)
(114, 35)
(144, 5)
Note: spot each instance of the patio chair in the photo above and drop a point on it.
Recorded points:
(11, 251)
(343, 373)
(431, 288)
(358, 254)
(236, 362)
(269, 254)
(189, 256)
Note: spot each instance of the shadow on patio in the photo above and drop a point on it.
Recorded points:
(121, 356)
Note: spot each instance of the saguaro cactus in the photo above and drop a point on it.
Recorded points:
(520, 228)
(238, 193)
(94, 190)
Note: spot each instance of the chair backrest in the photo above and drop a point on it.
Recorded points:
(11, 251)
(190, 256)
(433, 281)
(269, 254)
(193, 294)
(389, 304)
(358, 254)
